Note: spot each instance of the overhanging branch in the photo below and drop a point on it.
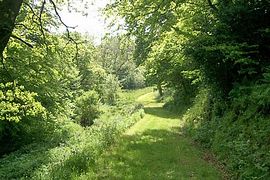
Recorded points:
(67, 27)
(23, 41)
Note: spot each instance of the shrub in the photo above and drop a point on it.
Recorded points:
(87, 108)
(110, 89)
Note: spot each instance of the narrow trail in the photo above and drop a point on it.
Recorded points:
(154, 149)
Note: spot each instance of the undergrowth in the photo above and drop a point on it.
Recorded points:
(72, 148)
(236, 129)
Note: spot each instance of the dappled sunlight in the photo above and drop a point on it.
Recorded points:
(155, 154)
(154, 148)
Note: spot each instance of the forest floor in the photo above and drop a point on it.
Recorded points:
(153, 148)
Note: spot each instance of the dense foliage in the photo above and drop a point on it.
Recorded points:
(116, 55)
(47, 76)
(59, 92)
(219, 51)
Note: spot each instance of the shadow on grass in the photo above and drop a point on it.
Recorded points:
(161, 112)
(155, 154)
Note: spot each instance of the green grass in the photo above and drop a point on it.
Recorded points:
(132, 95)
(153, 149)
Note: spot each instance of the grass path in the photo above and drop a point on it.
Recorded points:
(153, 149)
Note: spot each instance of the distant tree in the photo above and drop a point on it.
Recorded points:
(116, 55)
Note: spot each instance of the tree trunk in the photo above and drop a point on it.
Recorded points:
(160, 91)
(9, 10)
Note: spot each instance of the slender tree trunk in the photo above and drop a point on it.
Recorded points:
(160, 91)
(9, 10)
